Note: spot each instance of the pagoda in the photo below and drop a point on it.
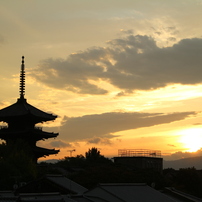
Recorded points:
(21, 119)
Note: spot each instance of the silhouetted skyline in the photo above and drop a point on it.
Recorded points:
(119, 74)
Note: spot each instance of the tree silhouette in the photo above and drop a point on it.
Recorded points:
(93, 154)
(94, 157)
(15, 164)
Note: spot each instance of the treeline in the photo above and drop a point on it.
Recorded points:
(92, 168)
(15, 165)
(188, 180)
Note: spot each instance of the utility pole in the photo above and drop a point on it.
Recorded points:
(70, 152)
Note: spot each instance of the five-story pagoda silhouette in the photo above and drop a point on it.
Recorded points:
(21, 119)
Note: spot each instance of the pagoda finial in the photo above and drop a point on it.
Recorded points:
(22, 79)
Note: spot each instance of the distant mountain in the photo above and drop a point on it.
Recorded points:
(49, 161)
(184, 163)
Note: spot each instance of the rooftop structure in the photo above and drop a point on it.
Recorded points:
(140, 159)
(21, 119)
(139, 152)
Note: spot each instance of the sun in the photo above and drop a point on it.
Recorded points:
(191, 139)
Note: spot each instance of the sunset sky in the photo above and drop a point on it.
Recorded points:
(120, 74)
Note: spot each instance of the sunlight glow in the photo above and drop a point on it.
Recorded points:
(192, 139)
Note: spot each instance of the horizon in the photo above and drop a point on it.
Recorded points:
(173, 157)
(119, 75)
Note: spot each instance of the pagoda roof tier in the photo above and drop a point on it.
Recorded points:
(42, 152)
(23, 109)
(35, 134)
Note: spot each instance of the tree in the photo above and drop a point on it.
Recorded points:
(68, 162)
(93, 156)
(15, 164)
(189, 180)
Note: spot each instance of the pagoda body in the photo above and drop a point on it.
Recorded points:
(21, 119)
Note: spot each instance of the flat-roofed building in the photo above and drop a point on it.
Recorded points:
(140, 159)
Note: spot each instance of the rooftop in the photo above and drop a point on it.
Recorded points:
(139, 153)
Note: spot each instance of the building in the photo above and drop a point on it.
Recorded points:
(60, 189)
(140, 159)
(52, 184)
(128, 192)
(21, 119)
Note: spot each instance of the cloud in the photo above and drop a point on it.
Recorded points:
(171, 39)
(180, 155)
(171, 145)
(130, 63)
(72, 74)
(2, 39)
(197, 124)
(59, 144)
(130, 31)
(104, 125)
(98, 140)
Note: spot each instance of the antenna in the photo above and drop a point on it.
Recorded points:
(70, 152)
(22, 79)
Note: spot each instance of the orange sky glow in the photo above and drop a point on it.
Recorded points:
(118, 74)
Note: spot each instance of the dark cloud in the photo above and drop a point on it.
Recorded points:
(171, 145)
(197, 124)
(72, 74)
(60, 144)
(180, 155)
(158, 33)
(171, 39)
(172, 30)
(104, 125)
(122, 93)
(130, 63)
(98, 140)
(130, 31)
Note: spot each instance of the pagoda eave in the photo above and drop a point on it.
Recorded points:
(24, 110)
(27, 134)
(42, 152)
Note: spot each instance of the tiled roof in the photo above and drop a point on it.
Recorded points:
(67, 183)
(52, 184)
(22, 108)
(126, 192)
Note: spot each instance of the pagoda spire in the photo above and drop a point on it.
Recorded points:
(22, 79)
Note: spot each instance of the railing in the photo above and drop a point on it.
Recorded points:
(138, 152)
